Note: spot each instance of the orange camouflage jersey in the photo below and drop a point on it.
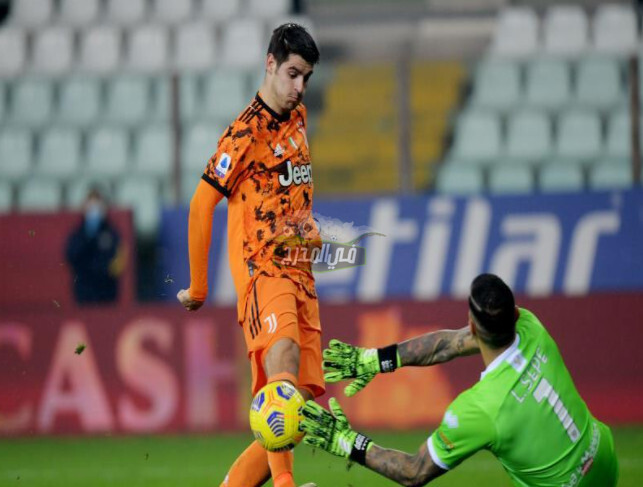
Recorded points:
(262, 165)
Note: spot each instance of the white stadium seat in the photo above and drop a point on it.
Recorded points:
(127, 12)
(107, 152)
(565, 30)
(13, 46)
(153, 151)
(59, 153)
(78, 13)
(42, 195)
(148, 49)
(32, 102)
(100, 49)
(172, 11)
(31, 13)
(217, 11)
(243, 43)
(53, 51)
(16, 153)
(128, 100)
(269, 9)
(194, 47)
(79, 101)
(516, 34)
(615, 29)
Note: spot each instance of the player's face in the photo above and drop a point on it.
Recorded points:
(288, 80)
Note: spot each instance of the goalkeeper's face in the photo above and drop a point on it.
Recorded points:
(288, 80)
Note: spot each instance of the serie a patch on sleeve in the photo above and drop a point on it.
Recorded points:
(223, 165)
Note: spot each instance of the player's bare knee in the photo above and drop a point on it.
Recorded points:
(283, 356)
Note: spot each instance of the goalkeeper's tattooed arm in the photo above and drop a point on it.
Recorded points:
(437, 347)
(401, 467)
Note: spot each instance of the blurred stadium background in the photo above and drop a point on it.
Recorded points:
(478, 135)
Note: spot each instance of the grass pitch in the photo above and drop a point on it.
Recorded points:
(203, 461)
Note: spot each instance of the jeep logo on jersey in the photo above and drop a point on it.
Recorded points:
(296, 175)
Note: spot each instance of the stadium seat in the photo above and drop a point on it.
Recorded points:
(42, 195)
(59, 153)
(171, 11)
(243, 43)
(560, 176)
(497, 85)
(142, 196)
(611, 175)
(3, 102)
(153, 151)
(190, 96)
(199, 144)
(79, 101)
(16, 152)
(516, 33)
(53, 51)
(269, 9)
(107, 152)
(6, 197)
(100, 49)
(565, 29)
(148, 49)
(579, 136)
(477, 137)
(31, 13)
(548, 84)
(128, 100)
(78, 189)
(194, 47)
(32, 102)
(78, 13)
(511, 179)
(598, 83)
(127, 12)
(618, 144)
(459, 179)
(529, 136)
(225, 95)
(13, 46)
(217, 11)
(614, 29)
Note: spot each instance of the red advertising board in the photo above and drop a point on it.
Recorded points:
(160, 369)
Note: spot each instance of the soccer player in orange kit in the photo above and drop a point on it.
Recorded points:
(262, 165)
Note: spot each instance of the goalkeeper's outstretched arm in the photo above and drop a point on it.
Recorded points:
(437, 347)
(403, 468)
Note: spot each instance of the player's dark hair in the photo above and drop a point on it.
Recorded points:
(493, 308)
(290, 39)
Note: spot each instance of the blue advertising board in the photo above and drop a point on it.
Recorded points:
(433, 246)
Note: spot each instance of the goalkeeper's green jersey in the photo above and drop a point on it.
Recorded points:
(526, 410)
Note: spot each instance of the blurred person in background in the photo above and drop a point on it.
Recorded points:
(95, 254)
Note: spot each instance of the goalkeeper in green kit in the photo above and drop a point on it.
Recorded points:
(525, 409)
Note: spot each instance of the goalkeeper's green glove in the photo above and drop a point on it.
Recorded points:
(344, 361)
(331, 432)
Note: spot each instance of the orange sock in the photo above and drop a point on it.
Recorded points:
(250, 469)
(281, 464)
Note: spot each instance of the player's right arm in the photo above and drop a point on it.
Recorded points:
(343, 361)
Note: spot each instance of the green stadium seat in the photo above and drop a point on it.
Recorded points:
(497, 85)
(618, 143)
(107, 152)
(40, 195)
(6, 197)
(225, 95)
(611, 175)
(59, 153)
(529, 136)
(32, 102)
(548, 84)
(16, 154)
(153, 151)
(199, 144)
(459, 179)
(477, 137)
(579, 136)
(79, 102)
(511, 179)
(128, 100)
(142, 196)
(561, 176)
(598, 83)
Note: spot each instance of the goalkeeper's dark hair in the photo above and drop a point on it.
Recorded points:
(493, 307)
(290, 39)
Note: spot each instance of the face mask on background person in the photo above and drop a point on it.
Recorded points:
(94, 214)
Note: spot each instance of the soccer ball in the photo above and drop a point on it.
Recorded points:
(275, 416)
